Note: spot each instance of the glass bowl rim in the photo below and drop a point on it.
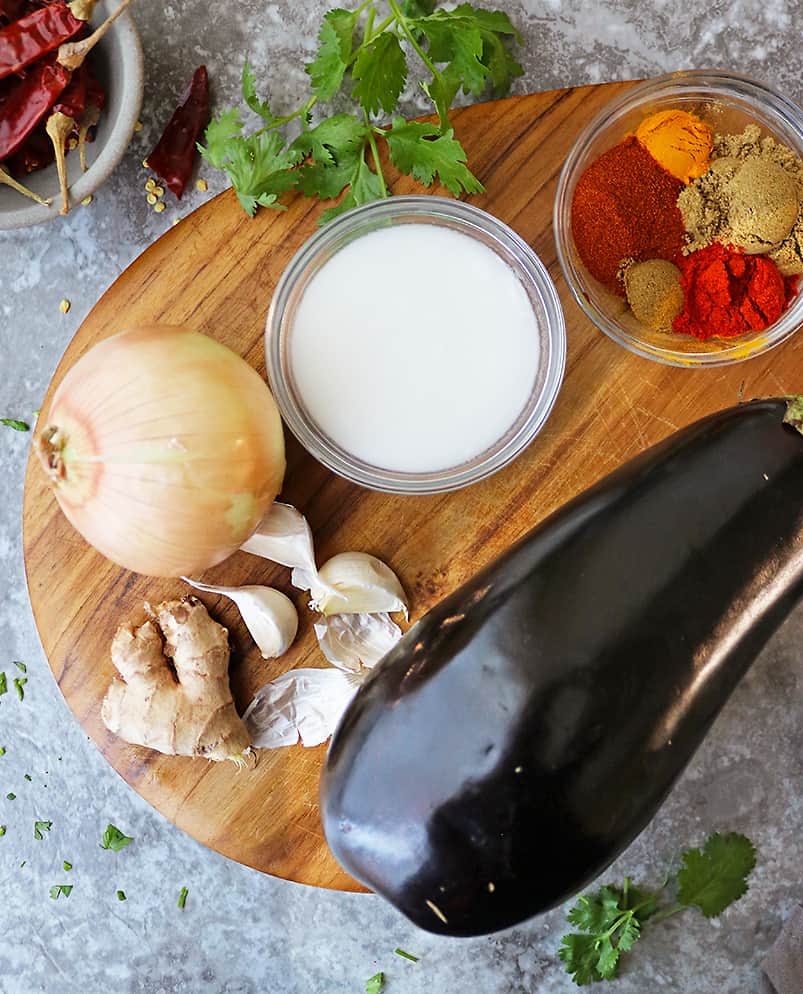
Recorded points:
(360, 220)
(721, 82)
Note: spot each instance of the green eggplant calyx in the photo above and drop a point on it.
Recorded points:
(794, 412)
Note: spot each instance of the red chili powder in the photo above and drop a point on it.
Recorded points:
(625, 207)
(728, 293)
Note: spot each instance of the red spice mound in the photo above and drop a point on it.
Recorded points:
(729, 293)
(625, 206)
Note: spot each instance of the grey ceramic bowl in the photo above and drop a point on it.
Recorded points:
(117, 58)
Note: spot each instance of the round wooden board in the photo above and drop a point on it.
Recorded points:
(216, 271)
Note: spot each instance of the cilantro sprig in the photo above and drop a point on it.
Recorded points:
(366, 54)
(610, 920)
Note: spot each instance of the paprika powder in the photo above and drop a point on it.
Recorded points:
(728, 293)
(625, 207)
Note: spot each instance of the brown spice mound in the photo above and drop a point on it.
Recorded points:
(625, 205)
(654, 292)
(752, 196)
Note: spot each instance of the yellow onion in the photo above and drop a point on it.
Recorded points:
(164, 449)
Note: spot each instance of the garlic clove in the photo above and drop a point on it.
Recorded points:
(269, 615)
(283, 536)
(303, 704)
(357, 583)
(353, 641)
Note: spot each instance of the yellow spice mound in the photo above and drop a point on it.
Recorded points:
(679, 141)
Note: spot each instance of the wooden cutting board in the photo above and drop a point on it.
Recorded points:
(216, 271)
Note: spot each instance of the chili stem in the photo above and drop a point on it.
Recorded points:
(73, 53)
(89, 118)
(58, 127)
(10, 181)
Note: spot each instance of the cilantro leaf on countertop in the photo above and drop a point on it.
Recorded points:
(715, 877)
(610, 920)
(331, 61)
(363, 54)
(20, 666)
(39, 827)
(3, 684)
(15, 424)
(58, 889)
(19, 683)
(114, 839)
(375, 984)
(423, 151)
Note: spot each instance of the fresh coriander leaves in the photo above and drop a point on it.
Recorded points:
(39, 827)
(715, 877)
(59, 889)
(425, 152)
(375, 984)
(121, 895)
(610, 920)
(114, 839)
(3, 684)
(467, 48)
(380, 72)
(19, 683)
(15, 424)
(21, 666)
(335, 40)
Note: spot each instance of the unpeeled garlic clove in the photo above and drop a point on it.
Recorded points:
(269, 615)
(357, 583)
(303, 704)
(284, 536)
(353, 641)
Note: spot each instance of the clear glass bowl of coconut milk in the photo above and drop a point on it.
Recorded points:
(415, 345)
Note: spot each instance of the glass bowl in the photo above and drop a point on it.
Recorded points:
(727, 102)
(460, 217)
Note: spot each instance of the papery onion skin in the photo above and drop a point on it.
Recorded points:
(164, 449)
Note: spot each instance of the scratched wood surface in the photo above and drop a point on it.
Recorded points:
(216, 271)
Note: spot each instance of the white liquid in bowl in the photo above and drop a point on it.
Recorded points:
(415, 348)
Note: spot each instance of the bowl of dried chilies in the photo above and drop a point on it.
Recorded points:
(679, 218)
(70, 93)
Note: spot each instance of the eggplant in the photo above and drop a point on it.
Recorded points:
(530, 725)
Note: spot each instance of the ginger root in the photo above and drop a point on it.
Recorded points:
(189, 712)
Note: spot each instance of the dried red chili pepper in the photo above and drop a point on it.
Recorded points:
(173, 157)
(41, 31)
(29, 102)
(38, 92)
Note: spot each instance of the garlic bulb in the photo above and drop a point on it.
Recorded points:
(353, 641)
(356, 583)
(269, 615)
(303, 704)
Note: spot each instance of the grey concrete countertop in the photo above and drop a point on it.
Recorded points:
(241, 932)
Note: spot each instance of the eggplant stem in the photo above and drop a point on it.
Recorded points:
(73, 53)
(10, 181)
(58, 127)
(89, 119)
(794, 412)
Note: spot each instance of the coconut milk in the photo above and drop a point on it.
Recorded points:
(415, 348)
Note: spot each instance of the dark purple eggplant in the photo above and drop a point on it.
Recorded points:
(530, 725)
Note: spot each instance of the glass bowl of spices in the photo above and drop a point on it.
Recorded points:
(415, 345)
(679, 218)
